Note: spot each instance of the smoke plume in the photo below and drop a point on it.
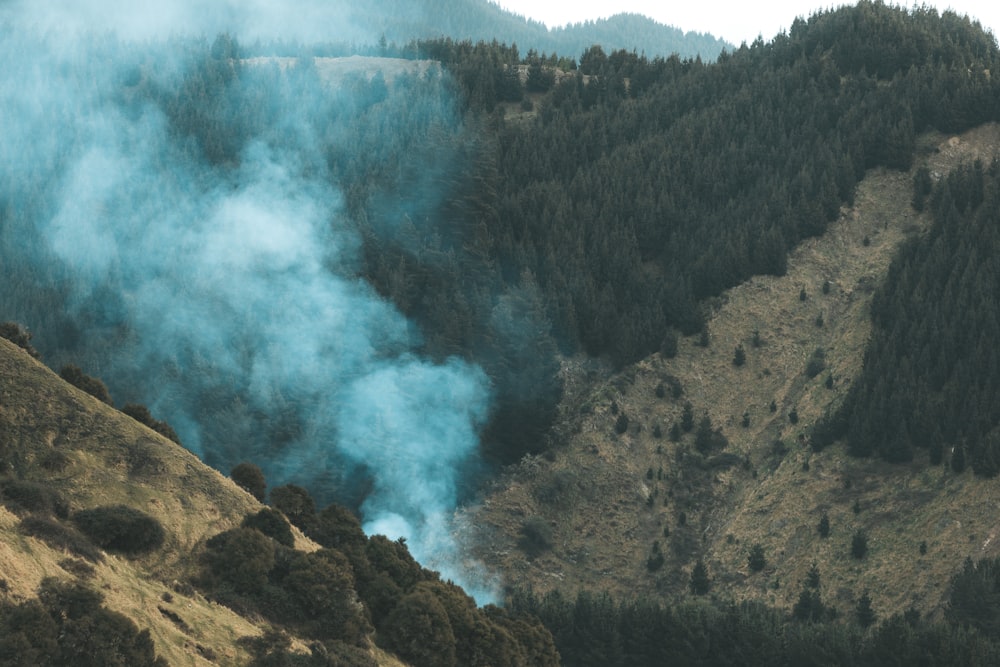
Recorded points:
(199, 256)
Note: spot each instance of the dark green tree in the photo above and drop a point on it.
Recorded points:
(863, 612)
(756, 559)
(700, 583)
(859, 544)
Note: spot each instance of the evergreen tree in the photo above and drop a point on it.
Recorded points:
(700, 583)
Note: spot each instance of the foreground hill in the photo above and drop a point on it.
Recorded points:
(184, 562)
(88, 454)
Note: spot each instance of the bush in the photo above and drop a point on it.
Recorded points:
(242, 558)
(81, 380)
(863, 612)
(250, 478)
(121, 528)
(668, 347)
(419, 631)
(273, 524)
(536, 536)
(687, 417)
(59, 536)
(958, 459)
(700, 583)
(141, 414)
(824, 526)
(756, 560)
(739, 356)
(859, 544)
(296, 504)
(816, 363)
(22, 496)
(21, 337)
(621, 424)
(338, 528)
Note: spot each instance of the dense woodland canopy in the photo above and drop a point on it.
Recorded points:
(931, 378)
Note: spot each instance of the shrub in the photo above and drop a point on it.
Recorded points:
(337, 528)
(58, 536)
(273, 524)
(739, 356)
(18, 335)
(958, 459)
(824, 526)
(656, 559)
(85, 633)
(322, 585)
(121, 528)
(22, 496)
(756, 560)
(668, 347)
(250, 478)
(621, 424)
(816, 363)
(687, 417)
(296, 504)
(419, 631)
(864, 613)
(812, 577)
(675, 432)
(859, 544)
(242, 558)
(536, 536)
(81, 380)
(78, 568)
(141, 414)
(700, 583)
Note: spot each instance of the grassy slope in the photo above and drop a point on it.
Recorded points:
(595, 493)
(112, 459)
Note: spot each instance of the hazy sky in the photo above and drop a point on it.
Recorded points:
(733, 20)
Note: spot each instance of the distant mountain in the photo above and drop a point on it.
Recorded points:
(400, 21)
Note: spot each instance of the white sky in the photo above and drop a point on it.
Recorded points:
(733, 20)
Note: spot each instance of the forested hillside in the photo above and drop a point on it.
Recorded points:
(931, 374)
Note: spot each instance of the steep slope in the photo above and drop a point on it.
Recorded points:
(90, 455)
(615, 496)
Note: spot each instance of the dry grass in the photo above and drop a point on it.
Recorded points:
(104, 458)
(604, 525)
